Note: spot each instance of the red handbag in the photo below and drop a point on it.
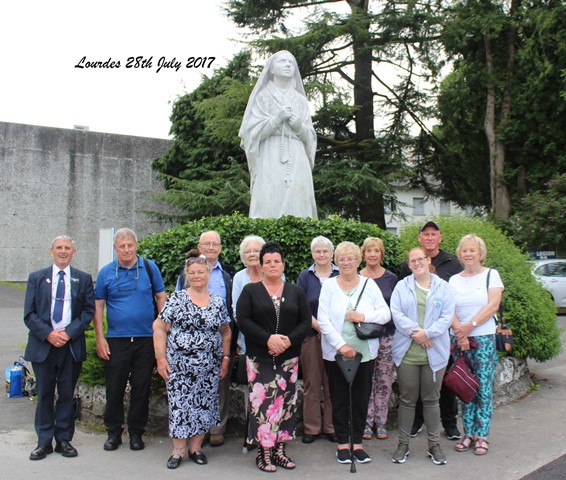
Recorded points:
(461, 379)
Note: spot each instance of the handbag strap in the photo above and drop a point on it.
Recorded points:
(361, 293)
(500, 303)
(467, 360)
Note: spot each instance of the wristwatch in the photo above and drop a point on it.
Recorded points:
(474, 323)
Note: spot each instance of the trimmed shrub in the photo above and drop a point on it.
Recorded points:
(168, 249)
(528, 308)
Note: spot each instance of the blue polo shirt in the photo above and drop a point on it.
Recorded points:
(129, 298)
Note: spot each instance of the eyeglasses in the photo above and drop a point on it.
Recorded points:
(199, 259)
(137, 275)
(414, 261)
(247, 252)
(321, 252)
(347, 260)
(210, 244)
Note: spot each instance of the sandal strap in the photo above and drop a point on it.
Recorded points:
(280, 458)
(263, 459)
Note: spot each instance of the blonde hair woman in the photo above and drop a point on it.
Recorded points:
(373, 251)
(478, 291)
(336, 318)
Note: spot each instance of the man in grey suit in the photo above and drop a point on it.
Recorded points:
(59, 306)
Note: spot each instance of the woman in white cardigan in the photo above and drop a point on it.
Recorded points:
(337, 314)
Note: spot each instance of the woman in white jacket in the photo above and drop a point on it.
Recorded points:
(422, 307)
(337, 314)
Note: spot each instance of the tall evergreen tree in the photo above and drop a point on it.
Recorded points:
(501, 115)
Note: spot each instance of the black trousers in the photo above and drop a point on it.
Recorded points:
(131, 359)
(448, 408)
(339, 395)
(56, 418)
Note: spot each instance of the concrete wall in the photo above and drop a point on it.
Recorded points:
(56, 181)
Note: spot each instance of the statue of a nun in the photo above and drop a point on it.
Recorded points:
(280, 142)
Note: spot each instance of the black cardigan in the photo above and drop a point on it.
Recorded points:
(256, 319)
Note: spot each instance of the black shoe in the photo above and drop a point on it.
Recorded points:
(136, 442)
(41, 452)
(361, 456)
(113, 442)
(198, 457)
(332, 437)
(343, 455)
(416, 430)
(452, 433)
(308, 438)
(66, 449)
(174, 462)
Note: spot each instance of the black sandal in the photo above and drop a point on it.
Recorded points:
(263, 460)
(280, 458)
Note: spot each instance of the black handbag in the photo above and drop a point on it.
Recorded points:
(367, 331)
(503, 333)
(239, 374)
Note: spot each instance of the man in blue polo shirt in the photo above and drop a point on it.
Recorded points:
(128, 290)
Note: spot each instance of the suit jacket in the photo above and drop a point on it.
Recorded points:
(37, 313)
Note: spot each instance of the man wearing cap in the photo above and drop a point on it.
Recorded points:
(446, 265)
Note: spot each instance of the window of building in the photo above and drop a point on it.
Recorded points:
(418, 206)
(444, 207)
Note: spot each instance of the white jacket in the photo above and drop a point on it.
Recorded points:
(332, 305)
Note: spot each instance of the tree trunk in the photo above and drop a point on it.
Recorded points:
(500, 201)
(363, 94)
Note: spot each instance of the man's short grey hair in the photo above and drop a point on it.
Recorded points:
(64, 238)
(125, 233)
(244, 244)
(210, 231)
(321, 241)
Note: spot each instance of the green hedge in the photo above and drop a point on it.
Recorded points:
(168, 250)
(528, 308)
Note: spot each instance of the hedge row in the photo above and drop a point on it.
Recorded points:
(528, 308)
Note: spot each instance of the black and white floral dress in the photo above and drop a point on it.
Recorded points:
(194, 353)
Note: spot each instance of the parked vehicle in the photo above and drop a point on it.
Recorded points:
(552, 275)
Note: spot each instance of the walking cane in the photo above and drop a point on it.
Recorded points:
(349, 368)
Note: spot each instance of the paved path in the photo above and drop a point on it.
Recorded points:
(526, 436)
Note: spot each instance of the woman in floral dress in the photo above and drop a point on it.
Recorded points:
(275, 319)
(192, 347)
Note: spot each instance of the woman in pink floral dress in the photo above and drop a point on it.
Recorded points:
(275, 318)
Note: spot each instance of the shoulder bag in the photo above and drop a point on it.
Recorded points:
(503, 333)
(366, 330)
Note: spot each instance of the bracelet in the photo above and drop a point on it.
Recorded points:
(225, 357)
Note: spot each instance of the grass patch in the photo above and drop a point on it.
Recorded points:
(17, 286)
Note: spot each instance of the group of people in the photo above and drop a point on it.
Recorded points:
(440, 304)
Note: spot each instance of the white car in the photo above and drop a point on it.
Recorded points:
(552, 275)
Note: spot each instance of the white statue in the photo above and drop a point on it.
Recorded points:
(280, 142)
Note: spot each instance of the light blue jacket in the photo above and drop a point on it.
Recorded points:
(438, 318)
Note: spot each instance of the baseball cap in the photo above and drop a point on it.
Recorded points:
(430, 224)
